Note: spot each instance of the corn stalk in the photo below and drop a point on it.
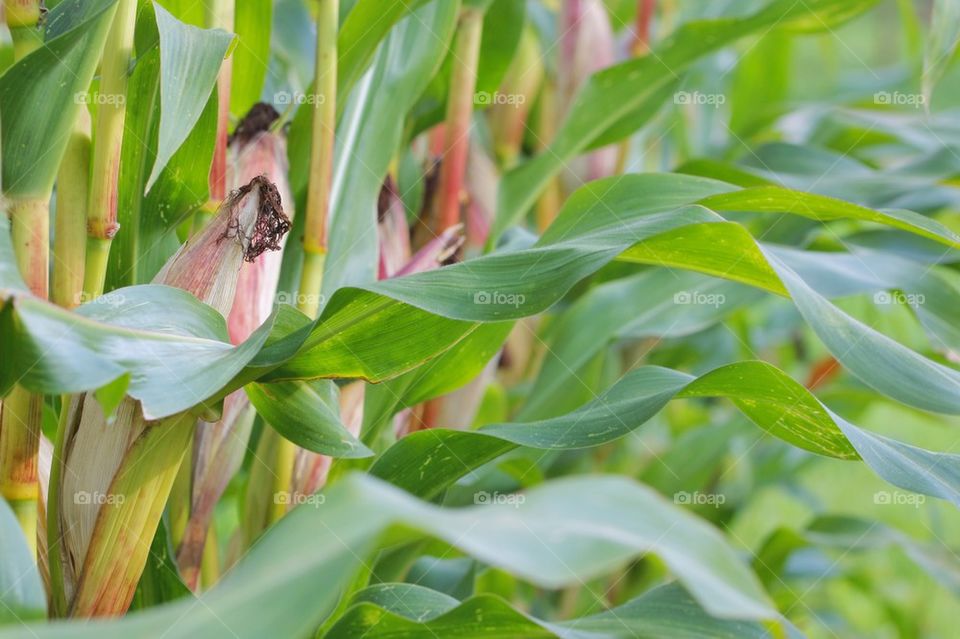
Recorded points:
(463, 83)
(23, 19)
(21, 411)
(108, 140)
(317, 213)
(73, 189)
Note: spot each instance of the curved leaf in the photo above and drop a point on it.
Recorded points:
(307, 414)
(190, 60)
(421, 462)
(404, 610)
(564, 532)
(40, 95)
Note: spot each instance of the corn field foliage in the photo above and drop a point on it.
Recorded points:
(584, 319)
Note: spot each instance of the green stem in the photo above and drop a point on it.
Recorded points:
(23, 17)
(95, 271)
(318, 204)
(58, 595)
(102, 220)
(282, 479)
(22, 411)
(69, 245)
(324, 125)
(19, 446)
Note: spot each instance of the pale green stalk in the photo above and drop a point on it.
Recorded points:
(20, 413)
(318, 204)
(23, 17)
(73, 192)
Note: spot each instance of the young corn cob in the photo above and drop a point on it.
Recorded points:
(219, 446)
(116, 477)
(587, 45)
(508, 117)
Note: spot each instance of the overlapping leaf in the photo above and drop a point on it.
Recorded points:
(564, 532)
(619, 100)
(373, 333)
(405, 610)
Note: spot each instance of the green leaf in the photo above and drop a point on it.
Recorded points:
(643, 305)
(369, 136)
(941, 45)
(373, 333)
(617, 101)
(190, 60)
(367, 23)
(426, 463)
(147, 240)
(252, 22)
(405, 610)
(22, 596)
(564, 532)
(40, 95)
(307, 414)
(161, 582)
(850, 534)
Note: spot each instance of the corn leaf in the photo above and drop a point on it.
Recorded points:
(593, 524)
(21, 591)
(41, 94)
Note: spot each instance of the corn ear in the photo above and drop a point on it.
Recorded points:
(117, 475)
(219, 447)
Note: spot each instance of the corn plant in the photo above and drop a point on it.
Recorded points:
(479, 318)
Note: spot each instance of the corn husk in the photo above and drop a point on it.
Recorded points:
(116, 475)
(517, 94)
(587, 45)
(219, 446)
